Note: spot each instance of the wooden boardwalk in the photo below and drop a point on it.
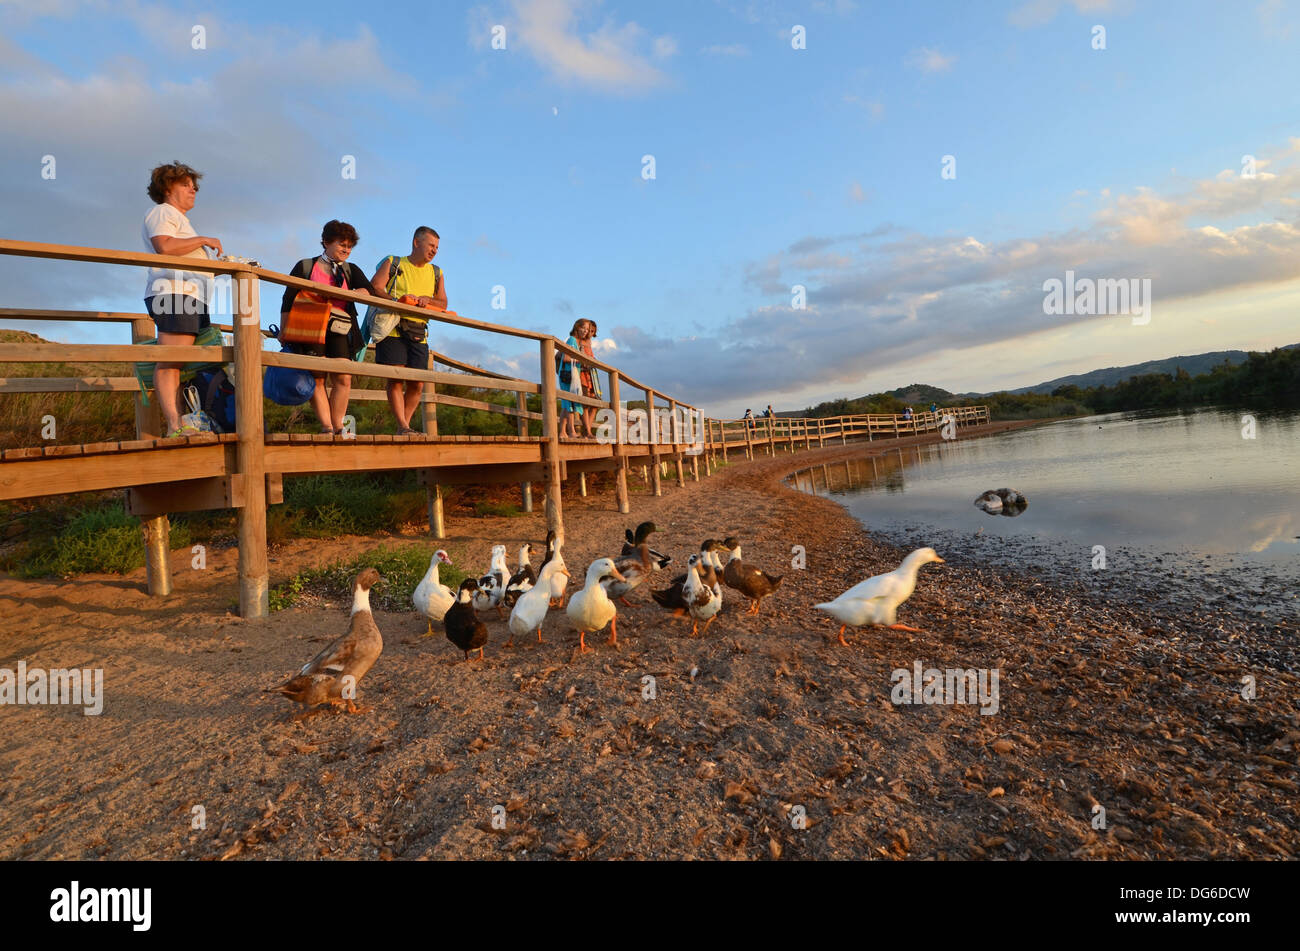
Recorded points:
(244, 470)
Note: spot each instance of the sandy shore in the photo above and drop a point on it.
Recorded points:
(1101, 704)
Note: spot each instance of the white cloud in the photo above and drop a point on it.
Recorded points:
(1039, 12)
(665, 46)
(607, 57)
(929, 60)
(891, 297)
(733, 49)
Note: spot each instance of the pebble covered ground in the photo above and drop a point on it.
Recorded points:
(764, 739)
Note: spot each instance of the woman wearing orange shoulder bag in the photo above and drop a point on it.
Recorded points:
(304, 315)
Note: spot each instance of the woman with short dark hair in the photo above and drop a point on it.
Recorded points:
(176, 300)
(342, 334)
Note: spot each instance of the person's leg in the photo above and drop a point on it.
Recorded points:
(320, 403)
(167, 380)
(391, 352)
(413, 390)
(339, 399)
(397, 401)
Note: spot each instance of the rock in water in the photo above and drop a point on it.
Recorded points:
(1002, 502)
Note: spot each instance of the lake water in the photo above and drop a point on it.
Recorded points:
(1184, 486)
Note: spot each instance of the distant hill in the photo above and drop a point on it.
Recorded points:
(920, 393)
(1194, 365)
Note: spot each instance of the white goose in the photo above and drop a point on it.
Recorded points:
(560, 579)
(703, 601)
(876, 600)
(591, 609)
(432, 598)
(530, 608)
(492, 586)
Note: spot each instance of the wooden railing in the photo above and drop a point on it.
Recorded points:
(244, 470)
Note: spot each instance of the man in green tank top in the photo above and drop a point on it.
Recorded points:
(407, 344)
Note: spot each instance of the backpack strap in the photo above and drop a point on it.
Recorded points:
(394, 268)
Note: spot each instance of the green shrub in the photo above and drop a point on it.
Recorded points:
(94, 540)
(401, 568)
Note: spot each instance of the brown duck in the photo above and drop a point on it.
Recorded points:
(635, 565)
(748, 580)
(332, 675)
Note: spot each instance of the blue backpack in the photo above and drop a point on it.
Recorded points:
(217, 397)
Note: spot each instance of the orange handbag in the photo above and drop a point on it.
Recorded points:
(306, 320)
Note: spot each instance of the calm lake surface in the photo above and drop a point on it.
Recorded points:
(1187, 486)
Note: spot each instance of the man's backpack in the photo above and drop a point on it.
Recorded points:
(377, 325)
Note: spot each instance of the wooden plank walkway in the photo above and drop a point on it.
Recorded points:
(244, 470)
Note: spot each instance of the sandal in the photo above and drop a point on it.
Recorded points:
(406, 431)
(182, 431)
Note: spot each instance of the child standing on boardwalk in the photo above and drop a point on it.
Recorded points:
(575, 377)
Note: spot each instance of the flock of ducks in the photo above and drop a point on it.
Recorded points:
(332, 676)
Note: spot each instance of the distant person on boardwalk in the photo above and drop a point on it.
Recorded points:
(767, 413)
(749, 417)
(907, 413)
(934, 408)
(176, 300)
(407, 344)
(342, 335)
(576, 377)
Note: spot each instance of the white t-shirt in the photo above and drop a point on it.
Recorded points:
(166, 219)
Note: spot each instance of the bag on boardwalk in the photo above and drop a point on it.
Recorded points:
(217, 396)
(196, 418)
(209, 336)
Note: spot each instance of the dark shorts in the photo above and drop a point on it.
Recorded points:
(336, 345)
(177, 313)
(400, 352)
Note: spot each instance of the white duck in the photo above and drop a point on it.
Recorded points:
(530, 609)
(591, 609)
(560, 579)
(492, 586)
(876, 600)
(432, 598)
(703, 601)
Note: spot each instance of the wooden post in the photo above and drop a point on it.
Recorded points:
(807, 434)
(157, 530)
(771, 436)
(582, 484)
(654, 441)
(433, 493)
(821, 432)
(722, 435)
(844, 436)
(254, 590)
(620, 474)
(551, 441)
(525, 488)
(674, 422)
(749, 438)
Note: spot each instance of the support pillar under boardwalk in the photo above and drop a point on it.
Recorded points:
(254, 587)
(551, 441)
(156, 528)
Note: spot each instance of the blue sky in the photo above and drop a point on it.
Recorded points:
(774, 166)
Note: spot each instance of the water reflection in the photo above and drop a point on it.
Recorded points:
(1187, 481)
